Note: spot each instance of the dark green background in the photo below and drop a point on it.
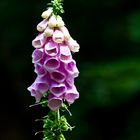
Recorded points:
(109, 63)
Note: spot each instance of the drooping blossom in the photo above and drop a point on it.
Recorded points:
(53, 62)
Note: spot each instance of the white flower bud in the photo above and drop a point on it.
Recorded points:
(47, 13)
(60, 22)
(52, 22)
(58, 36)
(65, 32)
(48, 32)
(73, 45)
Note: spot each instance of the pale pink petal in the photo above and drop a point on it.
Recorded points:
(72, 69)
(51, 63)
(37, 55)
(39, 41)
(42, 25)
(54, 103)
(65, 54)
(35, 93)
(57, 89)
(58, 76)
(71, 95)
(39, 69)
(51, 48)
(41, 85)
(44, 79)
(69, 81)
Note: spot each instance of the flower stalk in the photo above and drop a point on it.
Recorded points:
(56, 70)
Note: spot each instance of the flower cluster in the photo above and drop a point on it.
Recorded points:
(53, 62)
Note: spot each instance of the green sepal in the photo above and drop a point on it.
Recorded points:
(49, 134)
(64, 127)
(63, 119)
(48, 138)
(61, 137)
(48, 124)
(64, 107)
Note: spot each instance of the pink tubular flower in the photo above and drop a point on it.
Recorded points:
(38, 88)
(37, 55)
(72, 69)
(57, 89)
(39, 41)
(54, 103)
(58, 76)
(35, 93)
(71, 95)
(53, 62)
(41, 84)
(65, 54)
(51, 48)
(39, 69)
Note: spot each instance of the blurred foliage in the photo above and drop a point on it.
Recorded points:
(133, 25)
(110, 84)
(109, 64)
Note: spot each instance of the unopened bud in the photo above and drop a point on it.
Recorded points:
(42, 25)
(73, 45)
(58, 36)
(65, 33)
(52, 22)
(48, 32)
(61, 137)
(64, 127)
(60, 22)
(46, 14)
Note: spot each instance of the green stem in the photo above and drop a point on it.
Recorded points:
(58, 115)
(57, 119)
